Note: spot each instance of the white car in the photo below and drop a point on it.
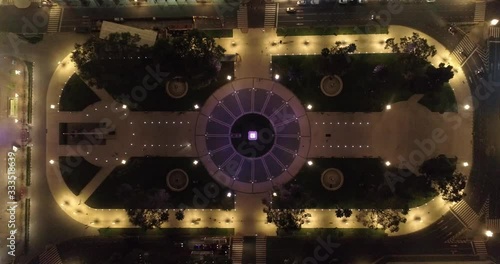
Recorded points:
(430, 1)
(343, 2)
(301, 2)
(291, 10)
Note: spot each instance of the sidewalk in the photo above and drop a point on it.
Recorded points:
(255, 49)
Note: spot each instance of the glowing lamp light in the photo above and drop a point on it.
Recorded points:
(229, 194)
(488, 233)
(466, 107)
(14, 148)
(124, 106)
(252, 135)
(52, 106)
(388, 107)
(309, 107)
(494, 22)
(196, 106)
(310, 163)
(124, 161)
(18, 72)
(15, 120)
(387, 163)
(465, 164)
(276, 76)
(51, 161)
(195, 162)
(16, 95)
(275, 194)
(229, 77)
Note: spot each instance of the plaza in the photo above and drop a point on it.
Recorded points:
(406, 133)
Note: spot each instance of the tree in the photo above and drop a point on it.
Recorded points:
(179, 215)
(438, 76)
(381, 219)
(287, 221)
(451, 187)
(443, 177)
(413, 51)
(343, 212)
(339, 213)
(325, 52)
(147, 218)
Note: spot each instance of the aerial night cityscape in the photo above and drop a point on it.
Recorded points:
(249, 131)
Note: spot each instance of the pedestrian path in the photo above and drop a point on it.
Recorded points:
(480, 11)
(55, 17)
(261, 250)
(464, 50)
(237, 250)
(465, 214)
(242, 17)
(270, 15)
(494, 32)
(480, 248)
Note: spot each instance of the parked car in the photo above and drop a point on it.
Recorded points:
(301, 2)
(343, 2)
(362, 1)
(374, 17)
(430, 1)
(291, 10)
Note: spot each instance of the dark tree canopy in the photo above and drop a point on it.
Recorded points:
(381, 219)
(441, 173)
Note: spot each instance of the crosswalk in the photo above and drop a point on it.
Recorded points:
(55, 16)
(260, 250)
(237, 250)
(242, 16)
(493, 225)
(494, 32)
(464, 50)
(465, 214)
(50, 256)
(480, 248)
(484, 55)
(270, 15)
(480, 11)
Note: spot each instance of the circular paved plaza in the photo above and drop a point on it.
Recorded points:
(252, 134)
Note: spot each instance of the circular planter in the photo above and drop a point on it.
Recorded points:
(332, 179)
(177, 180)
(176, 88)
(331, 85)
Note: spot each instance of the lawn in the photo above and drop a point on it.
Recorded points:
(170, 232)
(76, 172)
(365, 185)
(342, 30)
(150, 173)
(362, 91)
(29, 65)
(76, 95)
(157, 99)
(337, 244)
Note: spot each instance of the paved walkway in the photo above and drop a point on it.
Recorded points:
(255, 49)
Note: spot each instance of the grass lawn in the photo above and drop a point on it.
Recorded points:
(364, 187)
(362, 91)
(29, 65)
(170, 232)
(157, 99)
(76, 172)
(301, 248)
(76, 95)
(147, 173)
(342, 30)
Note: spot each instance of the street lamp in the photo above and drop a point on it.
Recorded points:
(195, 162)
(466, 107)
(229, 77)
(124, 106)
(488, 233)
(494, 22)
(124, 161)
(275, 194)
(310, 163)
(196, 106)
(309, 107)
(388, 107)
(52, 106)
(51, 161)
(387, 163)
(229, 194)
(276, 76)
(465, 164)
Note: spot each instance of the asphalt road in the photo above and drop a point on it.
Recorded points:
(29, 20)
(74, 17)
(391, 13)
